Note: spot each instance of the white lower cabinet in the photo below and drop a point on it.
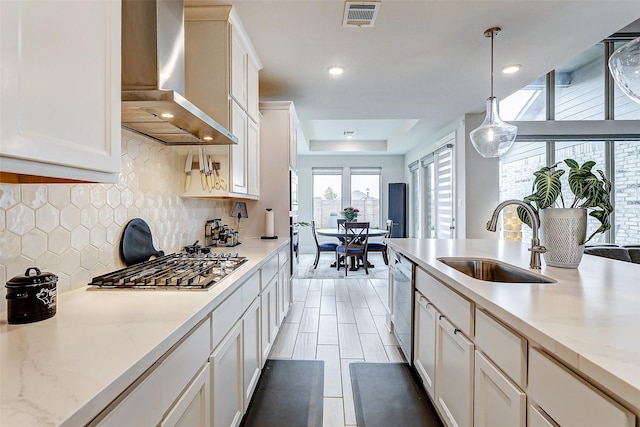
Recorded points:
(537, 418)
(269, 329)
(192, 409)
(498, 377)
(424, 347)
(454, 375)
(226, 378)
(172, 380)
(252, 357)
(498, 402)
(284, 294)
(569, 400)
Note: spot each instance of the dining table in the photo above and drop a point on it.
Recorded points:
(339, 234)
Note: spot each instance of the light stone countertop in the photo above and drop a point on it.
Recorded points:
(66, 369)
(589, 319)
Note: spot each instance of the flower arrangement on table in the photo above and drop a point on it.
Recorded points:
(350, 214)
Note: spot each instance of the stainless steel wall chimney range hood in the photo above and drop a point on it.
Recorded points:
(153, 70)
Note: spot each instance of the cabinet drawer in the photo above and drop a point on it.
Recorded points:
(250, 291)
(569, 400)
(269, 269)
(505, 348)
(225, 316)
(157, 392)
(457, 309)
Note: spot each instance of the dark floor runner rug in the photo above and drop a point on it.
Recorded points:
(289, 394)
(387, 394)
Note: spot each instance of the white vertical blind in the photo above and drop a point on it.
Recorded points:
(438, 202)
(444, 192)
(414, 169)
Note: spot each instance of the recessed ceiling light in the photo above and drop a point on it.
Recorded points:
(335, 70)
(167, 115)
(511, 68)
(207, 138)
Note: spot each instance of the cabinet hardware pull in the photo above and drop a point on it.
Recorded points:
(441, 317)
(456, 330)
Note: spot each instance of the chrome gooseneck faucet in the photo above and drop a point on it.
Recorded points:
(536, 248)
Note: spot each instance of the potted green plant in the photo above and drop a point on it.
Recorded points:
(564, 228)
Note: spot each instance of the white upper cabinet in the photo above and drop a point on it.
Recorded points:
(60, 91)
(222, 80)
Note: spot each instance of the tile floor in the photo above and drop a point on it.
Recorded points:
(338, 320)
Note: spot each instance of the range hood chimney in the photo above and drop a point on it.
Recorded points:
(153, 73)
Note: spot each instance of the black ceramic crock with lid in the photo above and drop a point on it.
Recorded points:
(31, 297)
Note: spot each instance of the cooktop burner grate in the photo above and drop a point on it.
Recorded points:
(175, 271)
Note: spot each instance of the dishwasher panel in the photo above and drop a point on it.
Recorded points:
(403, 304)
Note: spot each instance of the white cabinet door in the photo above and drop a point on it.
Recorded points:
(424, 346)
(60, 90)
(226, 378)
(239, 151)
(537, 418)
(252, 88)
(192, 409)
(269, 329)
(251, 350)
(284, 294)
(454, 375)
(253, 158)
(498, 402)
(238, 68)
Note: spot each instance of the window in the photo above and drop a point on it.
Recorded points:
(438, 203)
(327, 196)
(579, 89)
(581, 152)
(528, 103)
(624, 107)
(365, 194)
(516, 181)
(580, 93)
(626, 225)
(415, 199)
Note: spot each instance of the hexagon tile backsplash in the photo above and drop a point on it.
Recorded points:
(74, 230)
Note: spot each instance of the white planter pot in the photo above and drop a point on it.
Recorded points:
(563, 232)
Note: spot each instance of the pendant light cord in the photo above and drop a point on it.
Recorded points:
(492, 35)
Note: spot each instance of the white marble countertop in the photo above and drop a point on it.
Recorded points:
(589, 319)
(66, 369)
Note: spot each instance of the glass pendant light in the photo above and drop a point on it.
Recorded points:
(624, 65)
(494, 137)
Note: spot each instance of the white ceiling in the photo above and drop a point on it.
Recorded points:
(423, 65)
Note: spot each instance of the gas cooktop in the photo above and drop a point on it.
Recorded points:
(192, 271)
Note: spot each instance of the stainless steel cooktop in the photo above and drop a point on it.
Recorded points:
(192, 271)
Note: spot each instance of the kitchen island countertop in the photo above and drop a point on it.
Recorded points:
(66, 369)
(589, 319)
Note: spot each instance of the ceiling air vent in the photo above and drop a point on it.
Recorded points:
(360, 14)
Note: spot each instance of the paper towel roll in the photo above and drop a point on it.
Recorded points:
(269, 223)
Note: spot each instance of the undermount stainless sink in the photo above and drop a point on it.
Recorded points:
(491, 270)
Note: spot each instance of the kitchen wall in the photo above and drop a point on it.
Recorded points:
(74, 230)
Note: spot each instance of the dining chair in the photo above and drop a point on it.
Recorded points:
(354, 245)
(382, 247)
(321, 247)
